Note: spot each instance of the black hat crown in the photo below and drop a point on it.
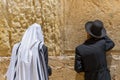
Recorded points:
(96, 27)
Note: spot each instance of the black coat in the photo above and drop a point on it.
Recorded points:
(90, 58)
(45, 50)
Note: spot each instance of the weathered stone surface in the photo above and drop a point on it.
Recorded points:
(63, 67)
(113, 59)
(4, 34)
(78, 12)
(62, 22)
(4, 42)
(4, 62)
(17, 16)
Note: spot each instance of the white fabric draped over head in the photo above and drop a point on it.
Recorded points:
(32, 35)
(27, 63)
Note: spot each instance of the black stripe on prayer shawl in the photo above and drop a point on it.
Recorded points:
(42, 65)
(38, 70)
(14, 76)
(41, 59)
(16, 61)
(38, 63)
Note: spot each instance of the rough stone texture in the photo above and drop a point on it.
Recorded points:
(4, 34)
(62, 67)
(78, 12)
(62, 22)
(17, 15)
(4, 62)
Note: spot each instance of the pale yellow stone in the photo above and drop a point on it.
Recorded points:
(63, 23)
(63, 67)
(17, 16)
(78, 12)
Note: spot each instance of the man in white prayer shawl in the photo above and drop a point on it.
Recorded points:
(29, 59)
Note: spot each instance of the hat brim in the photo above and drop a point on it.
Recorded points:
(89, 25)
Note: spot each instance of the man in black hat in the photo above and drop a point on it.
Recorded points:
(90, 57)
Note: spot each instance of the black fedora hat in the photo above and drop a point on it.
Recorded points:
(95, 28)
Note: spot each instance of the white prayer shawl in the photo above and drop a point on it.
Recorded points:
(27, 63)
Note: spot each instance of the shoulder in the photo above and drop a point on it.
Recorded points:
(100, 43)
(16, 45)
(44, 46)
(15, 48)
(80, 47)
(101, 40)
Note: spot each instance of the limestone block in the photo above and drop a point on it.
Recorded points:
(74, 36)
(78, 12)
(4, 62)
(4, 42)
(62, 68)
(50, 17)
(114, 63)
(18, 15)
(4, 34)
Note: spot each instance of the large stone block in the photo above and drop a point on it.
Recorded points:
(4, 62)
(18, 15)
(78, 12)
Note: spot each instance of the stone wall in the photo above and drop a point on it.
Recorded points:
(62, 22)
(77, 13)
(17, 16)
(62, 67)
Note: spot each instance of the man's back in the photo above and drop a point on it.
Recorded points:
(93, 54)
